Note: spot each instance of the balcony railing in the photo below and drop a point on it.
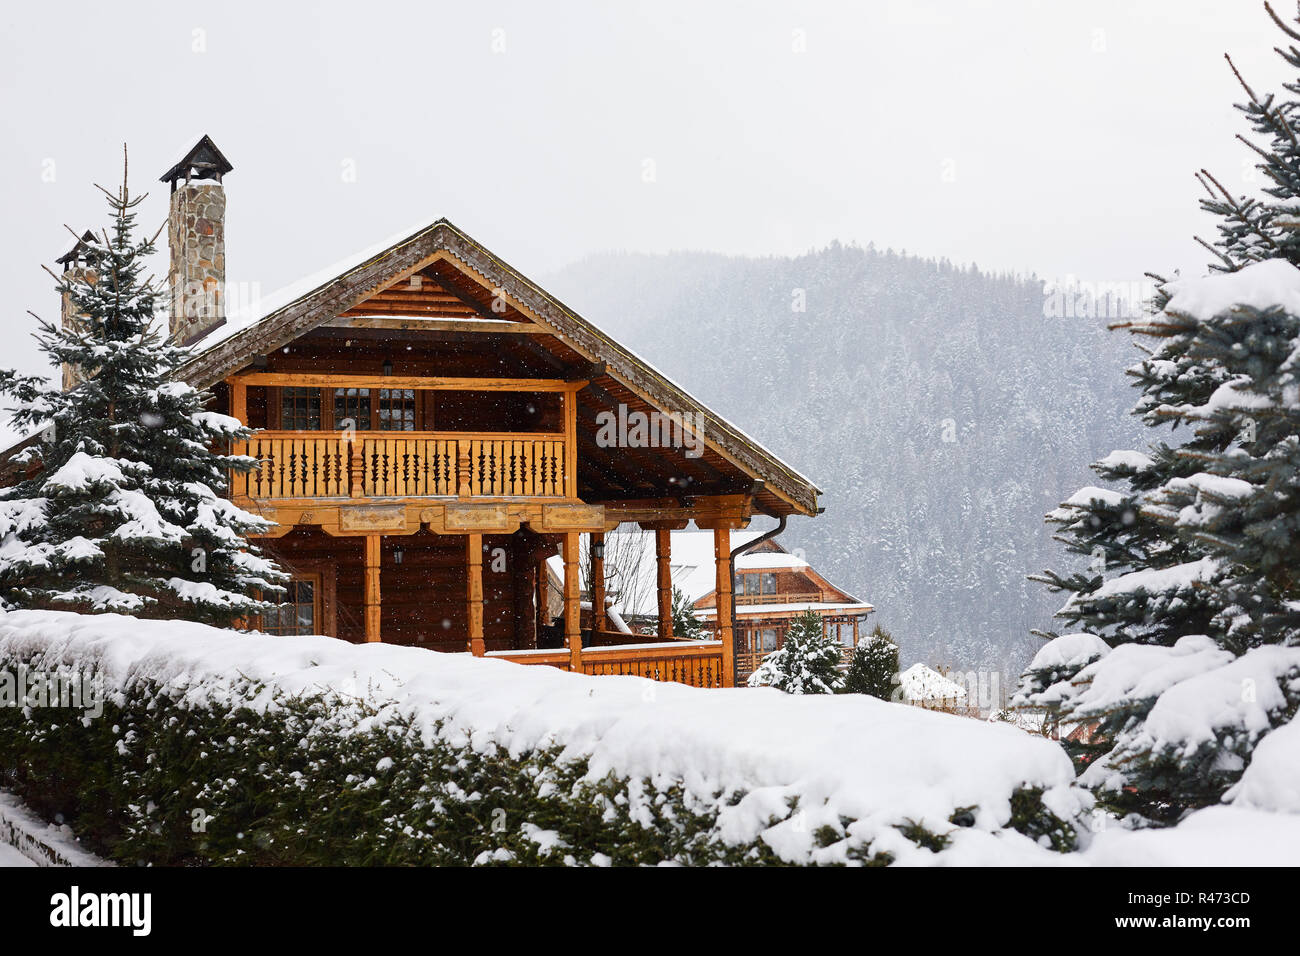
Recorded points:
(406, 464)
(784, 597)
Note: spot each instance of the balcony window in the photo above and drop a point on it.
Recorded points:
(300, 409)
(353, 405)
(397, 410)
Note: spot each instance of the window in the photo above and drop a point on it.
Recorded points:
(768, 638)
(353, 404)
(299, 613)
(300, 409)
(397, 410)
(768, 582)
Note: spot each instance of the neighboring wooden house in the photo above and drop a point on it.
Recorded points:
(771, 588)
(432, 426)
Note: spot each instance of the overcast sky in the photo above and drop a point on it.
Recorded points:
(1045, 137)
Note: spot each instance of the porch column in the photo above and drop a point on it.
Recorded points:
(597, 581)
(373, 606)
(572, 610)
(663, 561)
(723, 583)
(474, 592)
(239, 401)
(543, 592)
(856, 618)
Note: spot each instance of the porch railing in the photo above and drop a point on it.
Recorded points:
(696, 663)
(405, 464)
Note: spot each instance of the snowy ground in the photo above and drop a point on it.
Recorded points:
(11, 857)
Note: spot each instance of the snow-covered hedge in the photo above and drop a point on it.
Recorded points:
(215, 747)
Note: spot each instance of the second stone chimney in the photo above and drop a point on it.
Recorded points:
(196, 240)
(78, 266)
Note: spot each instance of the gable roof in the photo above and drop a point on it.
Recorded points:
(207, 160)
(277, 321)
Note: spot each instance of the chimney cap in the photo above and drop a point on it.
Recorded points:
(203, 161)
(80, 250)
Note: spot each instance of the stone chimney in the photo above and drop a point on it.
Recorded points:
(196, 240)
(78, 265)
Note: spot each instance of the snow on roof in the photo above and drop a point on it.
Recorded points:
(768, 560)
(249, 314)
(1260, 285)
(921, 683)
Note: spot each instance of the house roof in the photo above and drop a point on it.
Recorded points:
(279, 319)
(204, 157)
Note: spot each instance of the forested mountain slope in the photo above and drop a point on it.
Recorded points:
(938, 408)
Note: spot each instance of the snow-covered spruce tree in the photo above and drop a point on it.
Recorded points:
(807, 663)
(685, 623)
(1210, 528)
(125, 513)
(874, 667)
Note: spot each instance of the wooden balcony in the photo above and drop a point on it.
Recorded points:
(303, 465)
(784, 597)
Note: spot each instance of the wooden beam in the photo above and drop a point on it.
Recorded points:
(723, 585)
(597, 541)
(572, 608)
(474, 592)
(428, 383)
(374, 608)
(663, 559)
(413, 323)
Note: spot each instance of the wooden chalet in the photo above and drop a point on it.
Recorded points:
(429, 427)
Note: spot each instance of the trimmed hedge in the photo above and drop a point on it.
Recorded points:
(326, 779)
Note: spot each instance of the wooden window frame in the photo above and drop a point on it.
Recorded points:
(324, 576)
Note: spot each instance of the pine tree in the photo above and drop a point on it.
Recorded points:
(1193, 582)
(807, 663)
(125, 513)
(874, 667)
(685, 623)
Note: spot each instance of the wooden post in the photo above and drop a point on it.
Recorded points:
(722, 565)
(663, 561)
(474, 591)
(572, 610)
(356, 467)
(856, 618)
(597, 583)
(464, 468)
(239, 401)
(374, 607)
(238, 482)
(571, 443)
(543, 593)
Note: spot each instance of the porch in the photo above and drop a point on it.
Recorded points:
(424, 581)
